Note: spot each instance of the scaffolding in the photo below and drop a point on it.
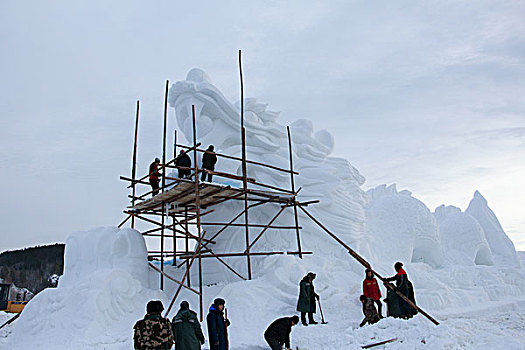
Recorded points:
(183, 201)
(187, 202)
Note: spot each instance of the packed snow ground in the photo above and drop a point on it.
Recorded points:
(465, 270)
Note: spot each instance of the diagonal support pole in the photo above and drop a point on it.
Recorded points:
(367, 265)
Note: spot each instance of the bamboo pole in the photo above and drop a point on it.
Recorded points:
(187, 241)
(225, 255)
(173, 221)
(293, 190)
(267, 227)
(134, 165)
(197, 250)
(171, 278)
(365, 263)
(198, 209)
(163, 183)
(244, 174)
(250, 225)
(240, 159)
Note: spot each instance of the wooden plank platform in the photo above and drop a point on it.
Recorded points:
(183, 194)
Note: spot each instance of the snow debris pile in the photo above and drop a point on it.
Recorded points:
(464, 268)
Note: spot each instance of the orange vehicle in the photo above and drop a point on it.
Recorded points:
(12, 298)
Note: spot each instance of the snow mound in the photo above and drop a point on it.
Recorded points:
(103, 291)
(462, 237)
(401, 228)
(500, 244)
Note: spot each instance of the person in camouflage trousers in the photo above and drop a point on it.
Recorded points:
(154, 331)
(369, 310)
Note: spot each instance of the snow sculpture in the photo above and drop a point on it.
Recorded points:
(103, 291)
(500, 244)
(462, 237)
(401, 228)
(332, 180)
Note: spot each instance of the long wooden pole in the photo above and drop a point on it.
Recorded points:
(174, 230)
(365, 263)
(187, 241)
(244, 174)
(163, 184)
(197, 210)
(192, 259)
(293, 190)
(134, 165)
(239, 159)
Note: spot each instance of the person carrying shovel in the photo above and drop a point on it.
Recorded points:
(307, 298)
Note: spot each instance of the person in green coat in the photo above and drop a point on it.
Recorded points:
(187, 329)
(307, 297)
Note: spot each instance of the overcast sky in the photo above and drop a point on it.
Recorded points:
(428, 95)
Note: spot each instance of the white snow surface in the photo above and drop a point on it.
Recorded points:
(465, 270)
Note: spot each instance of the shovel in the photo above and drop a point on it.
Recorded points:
(321, 309)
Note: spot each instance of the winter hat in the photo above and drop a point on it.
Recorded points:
(154, 306)
(295, 319)
(219, 301)
(362, 298)
(311, 274)
(398, 265)
(184, 305)
(157, 160)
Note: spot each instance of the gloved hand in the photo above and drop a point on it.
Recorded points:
(228, 323)
(317, 296)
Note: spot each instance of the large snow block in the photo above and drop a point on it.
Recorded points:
(102, 293)
(500, 244)
(462, 237)
(401, 228)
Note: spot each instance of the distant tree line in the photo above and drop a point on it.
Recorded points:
(31, 267)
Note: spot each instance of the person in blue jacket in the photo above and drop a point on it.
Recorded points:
(217, 333)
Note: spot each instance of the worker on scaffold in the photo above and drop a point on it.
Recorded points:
(154, 177)
(209, 159)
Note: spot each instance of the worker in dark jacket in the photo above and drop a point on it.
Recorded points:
(187, 329)
(154, 176)
(154, 331)
(307, 298)
(369, 310)
(371, 290)
(209, 159)
(278, 333)
(183, 160)
(401, 279)
(217, 325)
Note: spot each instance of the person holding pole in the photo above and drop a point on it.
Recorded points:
(154, 177)
(217, 325)
(403, 285)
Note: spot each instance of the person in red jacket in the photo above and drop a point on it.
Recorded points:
(154, 177)
(371, 290)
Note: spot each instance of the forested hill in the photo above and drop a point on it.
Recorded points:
(30, 267)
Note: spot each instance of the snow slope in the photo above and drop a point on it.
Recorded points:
(463, 268)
